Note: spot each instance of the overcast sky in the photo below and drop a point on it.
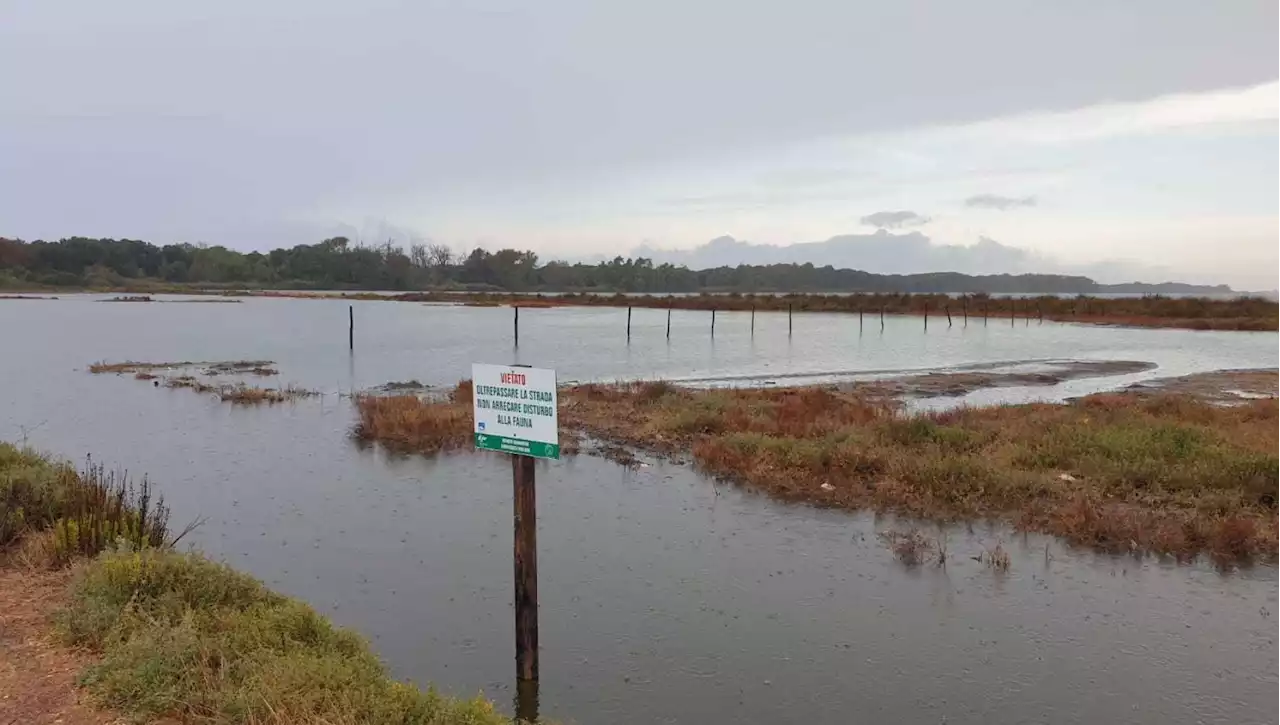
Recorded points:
(1144, 129)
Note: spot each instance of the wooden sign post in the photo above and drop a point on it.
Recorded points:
(515, 413)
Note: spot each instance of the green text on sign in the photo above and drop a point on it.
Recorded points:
(533, 449)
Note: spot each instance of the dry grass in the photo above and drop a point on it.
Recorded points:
(1117, 472)
(241, 394)
(913, 548)
(238, 393)
(241, 367)
(252, 395)
(407, 423)
(998, 558)
(221, 367)
(133, 366)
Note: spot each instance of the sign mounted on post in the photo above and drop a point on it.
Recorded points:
(515, 410)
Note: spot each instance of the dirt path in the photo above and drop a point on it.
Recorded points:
(37, 674)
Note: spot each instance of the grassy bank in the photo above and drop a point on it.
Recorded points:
(173, 635)
(1118, 472)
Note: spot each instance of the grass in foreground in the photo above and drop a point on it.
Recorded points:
(183, 636)
(176, 636)
(86, 510)
(1116, 472)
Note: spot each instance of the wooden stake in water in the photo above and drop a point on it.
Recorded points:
(516, 326)
(351, 327)
(1040, 310)
(1013, 309)
(525, 550)
(882, 318)
(926, 315)
(628, 323)
(859, 319)
(964, 305)
(753, 320)
(947, 308)
(668, 321)
(713, 322)
(788, 319)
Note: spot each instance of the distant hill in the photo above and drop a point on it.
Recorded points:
(913, 254)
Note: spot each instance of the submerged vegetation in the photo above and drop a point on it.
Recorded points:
(1117, 472)
(174, 636)
(239, 393)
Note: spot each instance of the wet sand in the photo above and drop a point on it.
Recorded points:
(949, 384)
(1219, 386)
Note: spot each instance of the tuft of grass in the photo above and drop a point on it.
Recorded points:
(242, 394)
(86, 511)
(133, 366)
(408, 423)
(912, 547)
(997, 558)
(183, 637)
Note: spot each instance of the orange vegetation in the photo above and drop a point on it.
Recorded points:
(1119, 472)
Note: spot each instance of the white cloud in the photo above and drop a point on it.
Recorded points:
(1164, 113)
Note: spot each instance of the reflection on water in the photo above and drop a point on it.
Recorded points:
(664, 598)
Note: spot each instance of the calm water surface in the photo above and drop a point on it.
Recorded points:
(664, 598)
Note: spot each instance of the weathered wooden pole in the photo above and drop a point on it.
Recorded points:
(351, 327)
(516, 325)
(526, 701)
(713, 322)
(859, 319)
(668, 321)
(946, 307)
(788, 319)
(926, 315)
(882, 318)
(753, 320)
(1013, 309)
(525, 549)
(628, 323)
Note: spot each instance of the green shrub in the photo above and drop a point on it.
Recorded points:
(183, 636)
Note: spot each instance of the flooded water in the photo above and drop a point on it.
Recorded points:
(664, 598)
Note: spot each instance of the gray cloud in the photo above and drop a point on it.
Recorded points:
(265, 113)
(894, 219)
(995, 201)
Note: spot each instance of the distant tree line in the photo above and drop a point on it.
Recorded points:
(338, 264)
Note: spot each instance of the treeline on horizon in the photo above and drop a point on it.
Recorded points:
(338, 264)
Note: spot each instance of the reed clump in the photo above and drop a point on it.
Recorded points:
(913, 548)
(88, 510)
(409, 423)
